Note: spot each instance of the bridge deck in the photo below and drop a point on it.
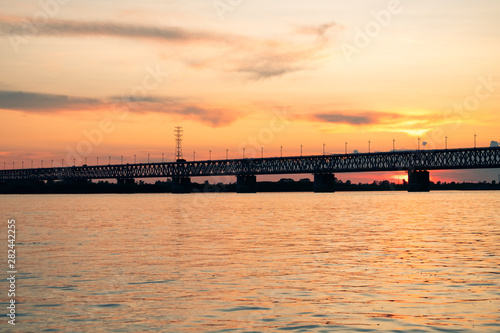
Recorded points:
(470, 158)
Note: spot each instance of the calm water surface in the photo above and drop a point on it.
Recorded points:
(341, 262)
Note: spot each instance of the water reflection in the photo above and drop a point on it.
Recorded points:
(342, 262)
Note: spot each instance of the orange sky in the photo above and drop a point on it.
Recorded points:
(110, 78)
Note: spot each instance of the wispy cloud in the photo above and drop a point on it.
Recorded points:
(411, 123)
(17, 26)
(257, 62)
(30, 102)
(211, 115)
(339, 118)
(268, 59)
(320, 31)
(355, 118)
(214, 116)
(251, 57)
(268, 64)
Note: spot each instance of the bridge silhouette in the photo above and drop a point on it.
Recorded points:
(323, 167)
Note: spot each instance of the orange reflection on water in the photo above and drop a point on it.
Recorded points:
(266, 262)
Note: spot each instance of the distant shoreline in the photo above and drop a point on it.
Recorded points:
(284, 185)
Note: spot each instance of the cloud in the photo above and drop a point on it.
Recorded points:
(268, 59)
(140, 99)
(320, 31)
(341, 118)
(209, 115)
(413, 123)
(30, 102)
(18, 26)
(259, 59)
(252, 57)
(416, 124)
(215, 117)
(268, 64)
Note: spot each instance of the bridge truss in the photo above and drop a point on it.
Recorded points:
(470, 158)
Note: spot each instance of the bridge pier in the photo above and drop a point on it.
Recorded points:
(246, 184)
(418, 181)
(125, 181)
(181, 185)
(324, 182)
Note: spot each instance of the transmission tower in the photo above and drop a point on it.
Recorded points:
(178, 143)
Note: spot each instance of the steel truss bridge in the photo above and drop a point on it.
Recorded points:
(414, 160)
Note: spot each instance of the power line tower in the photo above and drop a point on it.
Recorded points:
(178, 143)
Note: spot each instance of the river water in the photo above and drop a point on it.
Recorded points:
(299, 262)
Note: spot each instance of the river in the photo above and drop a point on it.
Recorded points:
(267, 262)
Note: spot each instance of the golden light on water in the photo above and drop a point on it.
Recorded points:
(338, 262)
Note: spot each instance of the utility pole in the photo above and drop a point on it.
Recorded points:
(261, 152)
(178, 143)
(346, 148)
(300, 150)
(369, 142)
(475, 136)
(393, 145)
(281, 151)
(323, 149)
(446, 142)
(227, 153)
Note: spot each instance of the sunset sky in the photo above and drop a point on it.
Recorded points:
(111, 78)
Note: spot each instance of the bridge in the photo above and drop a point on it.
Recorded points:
(323, 167)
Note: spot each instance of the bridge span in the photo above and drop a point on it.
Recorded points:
(323, 167)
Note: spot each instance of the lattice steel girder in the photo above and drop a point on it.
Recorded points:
(471, 158)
